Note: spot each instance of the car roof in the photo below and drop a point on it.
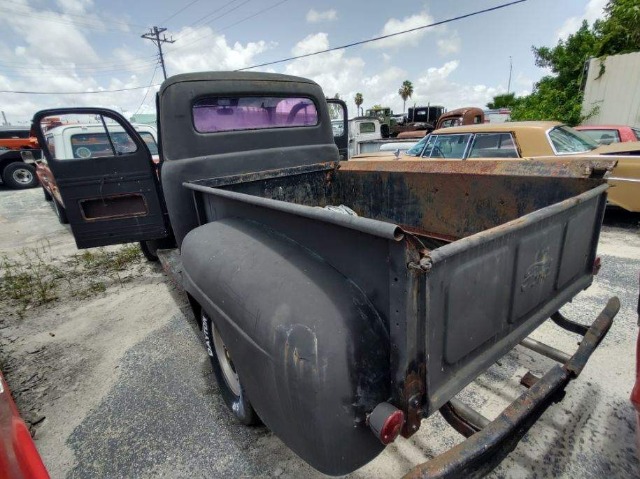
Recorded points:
(500, 127)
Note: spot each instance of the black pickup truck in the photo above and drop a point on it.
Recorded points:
(341, 299)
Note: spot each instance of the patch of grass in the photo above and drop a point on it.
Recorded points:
(35, 277)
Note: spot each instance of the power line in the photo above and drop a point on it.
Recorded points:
(228, 26)
(209, 14)
(88, 23)
(25, 92)
(179, 11)
(83, 16)
(148, 89)
(382, 37)
(154, 36)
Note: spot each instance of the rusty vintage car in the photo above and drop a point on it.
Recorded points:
(342, 302)
(528, 139)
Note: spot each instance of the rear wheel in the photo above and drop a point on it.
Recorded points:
(228, 380)
(19, 175)
(149, 250)
(60, 212)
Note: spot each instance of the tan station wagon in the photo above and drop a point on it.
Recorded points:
(521, 140)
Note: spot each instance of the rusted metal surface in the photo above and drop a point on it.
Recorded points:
(545, 350)
(172, 266)
(582, 167)
(462, 418)
(452, 200)
(569, 325)
(484, 450)
(414, 391)
(529, 379)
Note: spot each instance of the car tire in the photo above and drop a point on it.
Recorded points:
(19, 175)
(60, 212)
(149, 250)
(228, 381)
(47, 195)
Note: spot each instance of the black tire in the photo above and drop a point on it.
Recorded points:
(47, 195)
(60, 212)
(149, 250)
(19, 175)
(237, 402)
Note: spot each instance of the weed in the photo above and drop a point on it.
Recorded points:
(35, 277)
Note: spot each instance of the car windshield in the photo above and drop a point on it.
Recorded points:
(567, 140)
(416, 149)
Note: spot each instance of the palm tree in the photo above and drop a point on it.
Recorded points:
(405, 91)
(359, 100)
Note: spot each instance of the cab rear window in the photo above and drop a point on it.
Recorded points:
(253, 113)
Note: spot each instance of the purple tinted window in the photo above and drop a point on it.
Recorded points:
(252, 113)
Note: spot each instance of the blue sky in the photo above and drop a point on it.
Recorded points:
(95, 45)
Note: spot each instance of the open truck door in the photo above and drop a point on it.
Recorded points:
(340, 126)
(105, 176)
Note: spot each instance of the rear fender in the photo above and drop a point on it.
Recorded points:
(310, 349)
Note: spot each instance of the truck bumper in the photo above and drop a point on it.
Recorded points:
(485, 449)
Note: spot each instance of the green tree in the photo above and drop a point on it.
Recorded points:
(405, 92)
(506, 100)
(358, 99)
(620, 32)
(559, 96)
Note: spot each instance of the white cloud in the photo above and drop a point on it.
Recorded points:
(311, 43)
(76, 7)
(213, 52)
(72, 64)
(314, 16)
(593, 11)
(436, 87)
(449, 45)
(338, 72)
(393, 25)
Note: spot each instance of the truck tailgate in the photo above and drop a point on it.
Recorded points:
(487, 292)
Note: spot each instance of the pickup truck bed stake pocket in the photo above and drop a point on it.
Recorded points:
(329, 326)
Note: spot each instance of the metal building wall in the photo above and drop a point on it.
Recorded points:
(616, 92)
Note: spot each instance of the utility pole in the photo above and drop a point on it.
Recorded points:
(510, 70)
(154, 36)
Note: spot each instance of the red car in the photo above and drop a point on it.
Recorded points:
(607, 134)
(19, 458)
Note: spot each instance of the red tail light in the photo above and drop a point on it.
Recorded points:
(386, 422)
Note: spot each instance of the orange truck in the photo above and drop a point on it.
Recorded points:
(13, 171)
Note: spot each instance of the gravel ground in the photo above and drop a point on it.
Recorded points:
(117, 384)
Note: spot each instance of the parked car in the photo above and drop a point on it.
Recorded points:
(458, 117)
(343, 302)
(19, 457)
(607, 134)
(87, 142)
(13, 171)
(528, 139)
